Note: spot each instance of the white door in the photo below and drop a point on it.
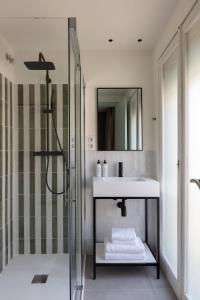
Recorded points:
(192, 38)
(170, 152)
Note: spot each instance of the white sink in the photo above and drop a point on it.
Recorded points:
(125, 187)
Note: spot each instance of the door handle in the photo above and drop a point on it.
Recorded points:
(196, 181)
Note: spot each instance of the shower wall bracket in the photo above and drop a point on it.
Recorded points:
(47, 153)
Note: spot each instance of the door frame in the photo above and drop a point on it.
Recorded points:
(180, 285)
(192, 18)
(175, 282)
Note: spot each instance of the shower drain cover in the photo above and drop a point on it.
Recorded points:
(40, 278)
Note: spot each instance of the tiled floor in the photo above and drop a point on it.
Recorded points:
(126, 283)
(15, 280)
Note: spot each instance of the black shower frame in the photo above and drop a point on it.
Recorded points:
(155, 255)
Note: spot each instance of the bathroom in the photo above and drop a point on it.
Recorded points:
(98, 135)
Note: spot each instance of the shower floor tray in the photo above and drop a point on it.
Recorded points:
(15, 280)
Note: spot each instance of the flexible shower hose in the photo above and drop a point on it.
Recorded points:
(63, 155)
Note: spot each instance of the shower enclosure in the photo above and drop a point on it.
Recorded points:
(42, 159)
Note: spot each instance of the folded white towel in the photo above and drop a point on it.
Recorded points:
(123, 234)
(124, 256)
(137, 248)
(124, 242)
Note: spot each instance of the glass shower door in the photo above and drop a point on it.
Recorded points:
(75, 237)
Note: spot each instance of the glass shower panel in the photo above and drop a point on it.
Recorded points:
(75, 162)
(83, 163)
(78, 178)
(170, 158)
(72, 160)
(35, 220)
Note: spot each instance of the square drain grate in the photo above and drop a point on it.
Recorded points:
(40, 278)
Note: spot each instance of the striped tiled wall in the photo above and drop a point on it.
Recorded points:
(6, 171)
(41, 217)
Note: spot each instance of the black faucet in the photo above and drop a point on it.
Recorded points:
(120, 170)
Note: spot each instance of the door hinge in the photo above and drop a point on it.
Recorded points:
(178, 163)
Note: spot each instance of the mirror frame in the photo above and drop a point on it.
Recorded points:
(142, 126)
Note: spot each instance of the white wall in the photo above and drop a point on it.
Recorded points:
(6, 68)
(118, 69)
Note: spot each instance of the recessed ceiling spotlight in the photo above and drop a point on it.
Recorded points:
(110, 40)
(139, 40)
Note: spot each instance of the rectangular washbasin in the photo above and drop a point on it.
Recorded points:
(125, 187)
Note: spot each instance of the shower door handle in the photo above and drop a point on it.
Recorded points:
(196, 181)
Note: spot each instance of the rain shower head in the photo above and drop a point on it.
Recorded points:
(41, 64)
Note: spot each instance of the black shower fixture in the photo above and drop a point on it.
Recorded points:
(47, 66)
(41, 64)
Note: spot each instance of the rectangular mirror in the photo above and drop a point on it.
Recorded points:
(119, 119)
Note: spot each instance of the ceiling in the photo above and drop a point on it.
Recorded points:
(34, 34)
(125, 21)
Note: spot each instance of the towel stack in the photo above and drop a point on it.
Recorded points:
(124, 244)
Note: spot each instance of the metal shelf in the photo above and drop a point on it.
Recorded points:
(152, 257)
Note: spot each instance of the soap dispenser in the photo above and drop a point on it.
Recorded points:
(105, 169)
(98, 169)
